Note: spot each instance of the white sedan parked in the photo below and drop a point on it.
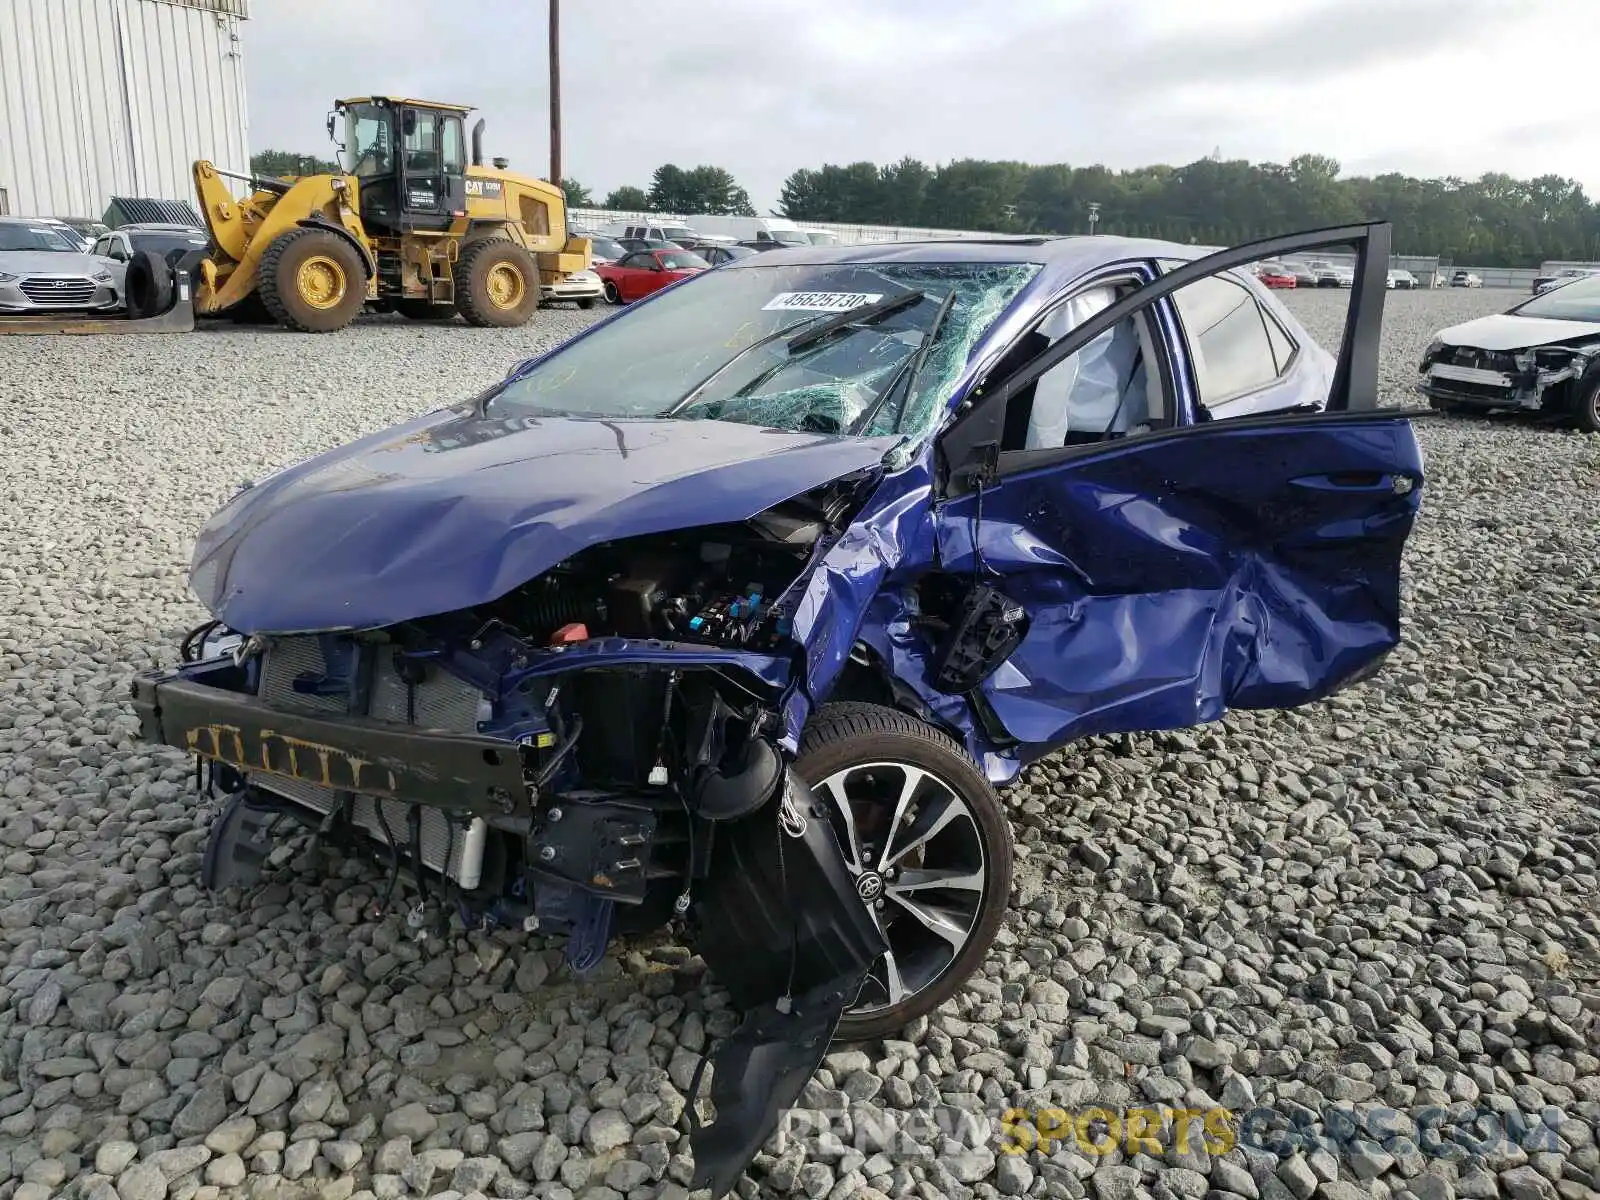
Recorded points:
(582, 287)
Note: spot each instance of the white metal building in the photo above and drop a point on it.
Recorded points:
(102, 98)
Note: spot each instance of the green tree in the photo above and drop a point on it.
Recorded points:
(281, 164)
(702, 189)
(1496, 220)
(577, 195)
(628, 199)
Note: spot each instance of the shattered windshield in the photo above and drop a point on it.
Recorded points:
(1575, 301)
(831, 348)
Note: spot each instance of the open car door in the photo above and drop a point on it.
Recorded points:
(1165, 576)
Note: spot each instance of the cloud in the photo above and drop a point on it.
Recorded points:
(763, 87)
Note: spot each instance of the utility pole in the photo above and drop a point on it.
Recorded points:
(1094, 216)
(555, 92)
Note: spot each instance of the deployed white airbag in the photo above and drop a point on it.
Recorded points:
(1080, 395)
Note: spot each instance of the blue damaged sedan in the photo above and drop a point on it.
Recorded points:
(735, 610)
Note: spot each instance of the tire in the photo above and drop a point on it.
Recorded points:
(313, 281)
(147, 285)
(1586, 412)
(586, 303)
(612, 295)
(497, 284)
(424, 310)
(867, 751)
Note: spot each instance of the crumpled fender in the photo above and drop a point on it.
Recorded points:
(893, 532)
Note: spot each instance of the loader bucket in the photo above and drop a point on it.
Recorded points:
(177, 319)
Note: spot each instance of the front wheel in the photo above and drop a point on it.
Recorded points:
(612, 295)
(928, 843)
(1586, 412)
(497, 284)
(312, 280)
(586, 303)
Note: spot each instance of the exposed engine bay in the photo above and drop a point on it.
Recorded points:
(593, 753)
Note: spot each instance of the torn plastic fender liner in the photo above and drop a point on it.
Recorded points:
(782, 928)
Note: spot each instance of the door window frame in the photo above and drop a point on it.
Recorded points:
(968, 455)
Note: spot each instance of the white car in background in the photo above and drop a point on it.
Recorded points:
(1401, 279)
(1544, 283)
(177, 245)
(44, 269)
(583, 288)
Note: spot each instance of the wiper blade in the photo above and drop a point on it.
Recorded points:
(910, 369)
(695, 392)
(856, 316)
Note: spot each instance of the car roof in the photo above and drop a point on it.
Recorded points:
(1064, 262)
(1074, 255)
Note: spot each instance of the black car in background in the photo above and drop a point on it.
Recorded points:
(717, 253)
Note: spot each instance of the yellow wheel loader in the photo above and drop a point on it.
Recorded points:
(412, 227)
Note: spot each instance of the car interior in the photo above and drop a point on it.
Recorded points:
(1104, 390)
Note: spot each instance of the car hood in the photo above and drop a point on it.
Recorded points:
(49, 262)
(1508, 331)
(453, 510)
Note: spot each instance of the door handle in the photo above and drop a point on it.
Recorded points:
(1357, 481)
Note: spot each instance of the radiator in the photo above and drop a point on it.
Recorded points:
(441, 701)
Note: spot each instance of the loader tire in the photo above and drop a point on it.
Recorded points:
(148, 285)
(497, 284)
(312, 281)
(424, 310)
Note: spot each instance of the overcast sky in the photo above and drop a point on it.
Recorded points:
(762, 87)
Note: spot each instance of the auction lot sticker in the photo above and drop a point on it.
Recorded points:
(820, 301)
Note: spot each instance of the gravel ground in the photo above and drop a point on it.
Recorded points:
(1353, 915)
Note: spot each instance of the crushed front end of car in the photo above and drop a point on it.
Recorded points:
(1540, 356)
(596, 750)
(1539, 379)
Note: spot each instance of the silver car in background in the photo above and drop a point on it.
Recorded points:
(42, 269)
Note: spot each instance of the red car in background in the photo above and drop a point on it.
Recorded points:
(636, 275)
(1275, 275)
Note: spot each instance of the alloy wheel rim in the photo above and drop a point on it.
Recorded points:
(915, 851)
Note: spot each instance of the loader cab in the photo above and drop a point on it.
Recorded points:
(409, 158)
